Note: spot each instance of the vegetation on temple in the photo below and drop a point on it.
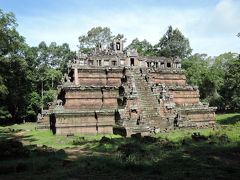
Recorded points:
(25, 70)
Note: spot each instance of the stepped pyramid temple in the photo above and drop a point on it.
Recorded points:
(112, 90)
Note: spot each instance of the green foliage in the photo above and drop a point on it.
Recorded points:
(49, 96)
(4, 113)
(226, 68)
(196, 68)
(217, 78)
(54, 56)
(144, 48)
(13, 68)
(197, 73)
(52, 77)
(10, 40)
(95, 37)
(34, 104)
(231, 87)
(24, 69)
(174, 44)
(3, 88)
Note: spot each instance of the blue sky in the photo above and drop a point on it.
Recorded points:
(210, 25)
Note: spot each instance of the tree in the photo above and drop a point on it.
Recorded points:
(33, 106)
(230, 90)
(199, 72)
(10, 40)
(218, 79)
(173, 44)
(95, 37)
(144, 48)
(195, 67)
(59, 55)
(14, 71)
(24, 69)
(52, 77)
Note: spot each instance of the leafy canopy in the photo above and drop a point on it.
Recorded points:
(173, 44)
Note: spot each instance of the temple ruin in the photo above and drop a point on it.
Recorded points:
(112, 89)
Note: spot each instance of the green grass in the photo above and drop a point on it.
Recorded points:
(227, 119)
(172, 155)
(45, 137)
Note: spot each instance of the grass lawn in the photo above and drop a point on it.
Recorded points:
(212, 153)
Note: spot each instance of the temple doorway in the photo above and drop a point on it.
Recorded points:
(132, 62)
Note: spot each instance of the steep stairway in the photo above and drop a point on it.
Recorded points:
(149, 105)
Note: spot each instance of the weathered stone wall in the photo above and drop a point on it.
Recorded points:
(87, 123)
(101, 77)
(83, 99)
(167, 78)
(197, 117)
(84, 130)
(95, 98)
(185, 97)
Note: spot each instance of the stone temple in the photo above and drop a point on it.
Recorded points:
(112, 90)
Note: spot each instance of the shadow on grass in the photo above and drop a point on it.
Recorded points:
(194, 157)
(213, 157)
(198, 161)
(230, 120)
(19, 160)
(9, 133)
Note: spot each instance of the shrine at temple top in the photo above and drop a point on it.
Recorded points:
(114, 55)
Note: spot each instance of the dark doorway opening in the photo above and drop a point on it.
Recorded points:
(168, 65)
(132, 62)
(118, 46)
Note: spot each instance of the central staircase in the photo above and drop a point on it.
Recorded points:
(149, 105)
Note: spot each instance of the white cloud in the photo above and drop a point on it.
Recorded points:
(210, 30)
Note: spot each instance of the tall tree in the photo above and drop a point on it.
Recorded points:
(14, 71)
(173, 44)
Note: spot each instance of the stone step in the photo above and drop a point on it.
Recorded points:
(151, 103)
(43, 126)
(149, 110)
(150, 115)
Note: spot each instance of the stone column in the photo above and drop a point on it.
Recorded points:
(76, 76)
